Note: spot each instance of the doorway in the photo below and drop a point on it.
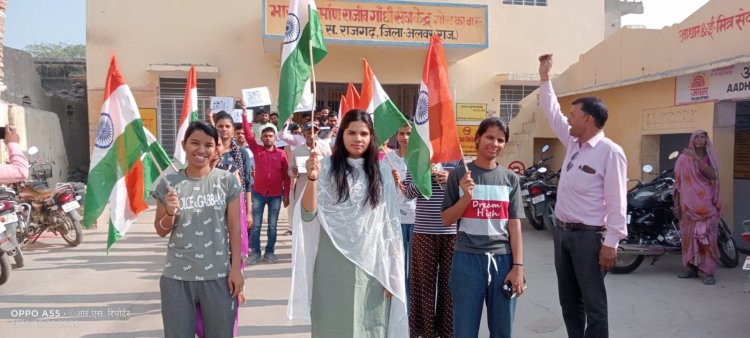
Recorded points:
(404, 96)
(669, 143)
(741, 170)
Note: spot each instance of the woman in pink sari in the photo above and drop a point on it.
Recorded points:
(697, 201)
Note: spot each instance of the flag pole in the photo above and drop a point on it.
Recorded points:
(314, 85)
(161, 171)
(389, 160)
(463, 158)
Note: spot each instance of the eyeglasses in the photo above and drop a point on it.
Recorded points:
(570, 163)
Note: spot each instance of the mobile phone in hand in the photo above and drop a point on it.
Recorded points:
(2, 133)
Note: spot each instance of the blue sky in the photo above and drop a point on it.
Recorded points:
(46, 21)
(40, 21)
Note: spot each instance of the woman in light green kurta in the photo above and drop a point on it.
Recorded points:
(349, 277)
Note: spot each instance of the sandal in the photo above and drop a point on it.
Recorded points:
(688, 274)
(709, 280)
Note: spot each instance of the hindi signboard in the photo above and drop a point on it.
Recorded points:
(148, 118)
(466, 135)
(471, 111)
(389, 22)
(725, 83)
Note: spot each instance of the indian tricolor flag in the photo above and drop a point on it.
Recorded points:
(386, 117)
(303, 32)
(189, 114)
(122, 169)
(433, 138)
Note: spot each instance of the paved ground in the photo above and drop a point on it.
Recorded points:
(86, 293)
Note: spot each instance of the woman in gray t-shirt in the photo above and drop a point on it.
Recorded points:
(198, 208)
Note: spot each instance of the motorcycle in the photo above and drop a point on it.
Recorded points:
(529, 177)
(543, 194)
(653, 229)
(9, 222)
(48, 209)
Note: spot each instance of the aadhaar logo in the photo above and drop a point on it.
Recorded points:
(699, 87)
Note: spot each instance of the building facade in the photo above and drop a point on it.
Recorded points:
(237, 44)
(660, 86)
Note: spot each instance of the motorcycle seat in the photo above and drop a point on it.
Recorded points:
(36, 194)
(44, 191)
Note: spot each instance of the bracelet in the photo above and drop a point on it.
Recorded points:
(518, 264)
(309, 179)
(162, 226)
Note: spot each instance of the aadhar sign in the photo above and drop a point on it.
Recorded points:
(725, 83)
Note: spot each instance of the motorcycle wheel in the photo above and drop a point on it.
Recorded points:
(74, 228)
(5, 268)
(550, 221)
(627, 263)
(536, 222)
(727, 247)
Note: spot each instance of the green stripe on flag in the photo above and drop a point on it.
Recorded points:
(418, 163)
(113, 236)
(388, 120)
(151, 169)
(296, 68)
(122, 154)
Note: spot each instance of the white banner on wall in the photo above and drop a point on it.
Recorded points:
(725, 83)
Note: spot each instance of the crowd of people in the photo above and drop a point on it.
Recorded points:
(369, 244)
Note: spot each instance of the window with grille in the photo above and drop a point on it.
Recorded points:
(526, 2)
(509, 98)
(171, 97)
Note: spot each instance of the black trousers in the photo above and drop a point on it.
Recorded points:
(580, 283)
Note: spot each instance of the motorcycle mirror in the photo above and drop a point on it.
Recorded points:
(33, 150)
(648, 168)
(545, 148)
(542, 170)
(673, 155)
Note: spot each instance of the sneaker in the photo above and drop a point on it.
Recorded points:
(253, 259)
(271, 258)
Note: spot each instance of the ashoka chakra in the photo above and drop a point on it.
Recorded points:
(105, 135)
(422, 114)
(292, 29)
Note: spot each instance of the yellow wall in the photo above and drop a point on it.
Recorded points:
(231, 38)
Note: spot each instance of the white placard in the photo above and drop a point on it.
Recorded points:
(301, 164)
(725, 83)
(219, 103)
(237, 115)
(256, 97)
